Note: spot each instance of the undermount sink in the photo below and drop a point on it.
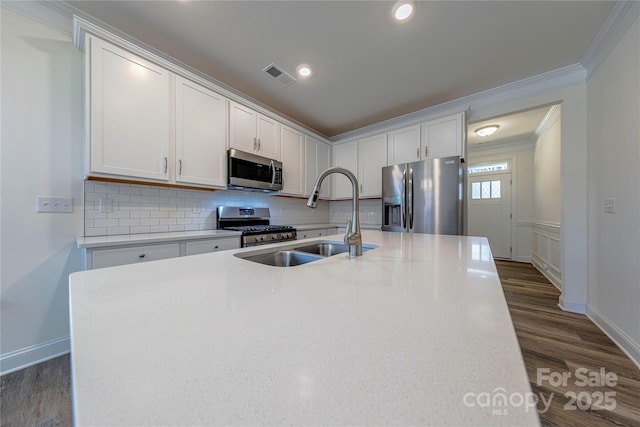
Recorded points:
(329, 248)
(298, 254)
(282, 258)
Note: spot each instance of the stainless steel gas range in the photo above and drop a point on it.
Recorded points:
(255, 225)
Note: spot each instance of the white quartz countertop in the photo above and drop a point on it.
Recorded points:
(144, 238)
(415, 332)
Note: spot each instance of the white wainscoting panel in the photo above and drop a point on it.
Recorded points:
(546, 251)
(523, 243)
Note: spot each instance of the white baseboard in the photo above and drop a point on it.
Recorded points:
(25, 357)
(572, 307)
(550, 273)
(618, 336)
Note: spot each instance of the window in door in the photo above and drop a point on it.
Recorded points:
(486, 190)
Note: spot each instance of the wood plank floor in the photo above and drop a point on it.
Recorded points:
(568, 344)
(550, 339)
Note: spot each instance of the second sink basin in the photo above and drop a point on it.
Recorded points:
(298, 254)
(327, 248)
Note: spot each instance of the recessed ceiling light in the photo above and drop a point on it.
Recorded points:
(487, 130)
(304, 71)
(403, 10)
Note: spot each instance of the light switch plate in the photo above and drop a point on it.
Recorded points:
(609, 205)
(54, 204)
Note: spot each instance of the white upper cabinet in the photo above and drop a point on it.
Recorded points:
(404, 145)
(438, 138)
(345, 156)
(373, 157)
(293, 161)
(253, 132)
(443, 137)
(128, 114)
(201, 132)
(317, 160)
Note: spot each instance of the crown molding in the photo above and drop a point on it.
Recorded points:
(531, 86)
(507, 145)
(52, 14)
(549, 119)
(617, 24)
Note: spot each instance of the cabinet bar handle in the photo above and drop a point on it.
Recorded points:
(418, 152)
(166, 164)
(426, 151)
(255, 142)
(142, 256)
(259, 144)
(180, 167)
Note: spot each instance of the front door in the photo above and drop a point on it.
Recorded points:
(489, 211)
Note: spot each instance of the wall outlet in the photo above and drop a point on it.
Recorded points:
(105, 205)
(54, 204)
(609, 206)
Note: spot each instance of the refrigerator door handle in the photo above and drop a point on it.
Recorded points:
(403, 208)
(410, 199)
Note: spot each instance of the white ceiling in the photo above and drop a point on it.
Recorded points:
(520, 126)
(368, 68)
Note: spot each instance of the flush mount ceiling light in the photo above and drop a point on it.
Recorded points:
(304, 71)
(487, 130)
(403, 10)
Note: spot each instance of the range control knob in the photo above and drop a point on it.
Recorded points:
(259, 238)
(274, 236)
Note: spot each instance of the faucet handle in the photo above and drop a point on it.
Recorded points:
(347, 230)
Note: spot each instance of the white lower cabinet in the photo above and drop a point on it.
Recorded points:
(308, 234)
(131, 255)
(136, 253)
(213, 245)
(317, 232)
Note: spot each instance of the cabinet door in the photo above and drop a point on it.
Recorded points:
(135, 254)
(293, 161)
(268, 137)
(309, 234)
(316, 162)
(404, 145)
(201, 117)
(373, 157)
(242, 128)
(323, 160)
(442, 137)
(346, 156)
(129, 114)
(212, 245)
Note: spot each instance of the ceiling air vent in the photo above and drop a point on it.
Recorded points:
(277, 73)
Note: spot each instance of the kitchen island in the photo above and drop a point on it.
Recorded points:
(414, 332)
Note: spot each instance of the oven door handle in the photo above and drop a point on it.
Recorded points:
(272, 168)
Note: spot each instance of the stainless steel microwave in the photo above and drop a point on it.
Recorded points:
(253, 173)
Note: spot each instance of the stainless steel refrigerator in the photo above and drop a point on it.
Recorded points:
(423, 197)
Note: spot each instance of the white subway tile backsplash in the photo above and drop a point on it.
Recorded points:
(117, 230)
(159, 214)
(105, 222)
(118, 214)
(129, 222)
(149, 221)
(95, 231)
(148, 209)
(140, 214)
